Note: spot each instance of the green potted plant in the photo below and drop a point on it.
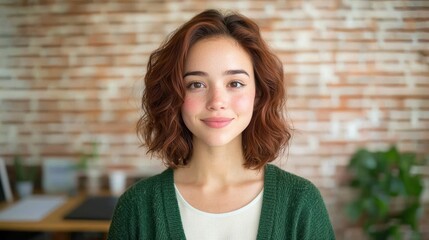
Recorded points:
(90, 165)
(388, 193)
(89, 159)
(24, 177)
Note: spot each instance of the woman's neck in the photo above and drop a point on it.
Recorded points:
(217, 165)
(215, 180)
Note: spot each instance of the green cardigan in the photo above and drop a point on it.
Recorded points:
(292, 208)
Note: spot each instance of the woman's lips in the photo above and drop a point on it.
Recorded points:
(218, 122)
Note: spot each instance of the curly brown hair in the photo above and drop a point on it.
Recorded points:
(161, 127)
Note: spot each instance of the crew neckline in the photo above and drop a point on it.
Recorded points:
(254, 201)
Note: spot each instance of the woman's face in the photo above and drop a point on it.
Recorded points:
(220, 91)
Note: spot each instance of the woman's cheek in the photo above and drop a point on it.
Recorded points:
(244, 103)
(190, 104)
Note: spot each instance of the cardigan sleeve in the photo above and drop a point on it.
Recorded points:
(314, 222)
(123, 225)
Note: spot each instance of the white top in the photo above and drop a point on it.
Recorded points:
(239, 224)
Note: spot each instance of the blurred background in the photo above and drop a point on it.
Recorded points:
(71, 78)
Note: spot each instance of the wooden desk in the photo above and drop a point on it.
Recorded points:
(54, 222)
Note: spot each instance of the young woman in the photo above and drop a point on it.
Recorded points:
(214, 101)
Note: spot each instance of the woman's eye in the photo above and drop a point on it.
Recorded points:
(195, 85)
(236, 84)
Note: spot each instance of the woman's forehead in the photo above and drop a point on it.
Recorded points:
(219, 53)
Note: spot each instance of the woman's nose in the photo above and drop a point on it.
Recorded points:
(216, 99)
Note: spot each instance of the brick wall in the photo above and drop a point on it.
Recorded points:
(358, 75)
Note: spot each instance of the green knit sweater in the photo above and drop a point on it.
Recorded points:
(292, 208)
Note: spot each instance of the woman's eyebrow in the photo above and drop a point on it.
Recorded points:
(236, 71)
(196, 73)
(227, 72)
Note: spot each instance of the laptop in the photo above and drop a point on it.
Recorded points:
(5, 192)
(94, 208)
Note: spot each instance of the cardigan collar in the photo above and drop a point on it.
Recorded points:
(172, 211)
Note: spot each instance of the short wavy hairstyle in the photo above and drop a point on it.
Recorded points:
(161, 127)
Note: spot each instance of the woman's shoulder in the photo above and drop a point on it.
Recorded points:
(290, 181)
(146, 187)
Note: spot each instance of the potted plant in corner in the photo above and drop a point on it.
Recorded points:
(24, 177)
(388, 194)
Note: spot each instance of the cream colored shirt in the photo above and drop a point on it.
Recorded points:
(239, 224)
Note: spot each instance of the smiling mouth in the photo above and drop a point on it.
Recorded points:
(217, 122)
